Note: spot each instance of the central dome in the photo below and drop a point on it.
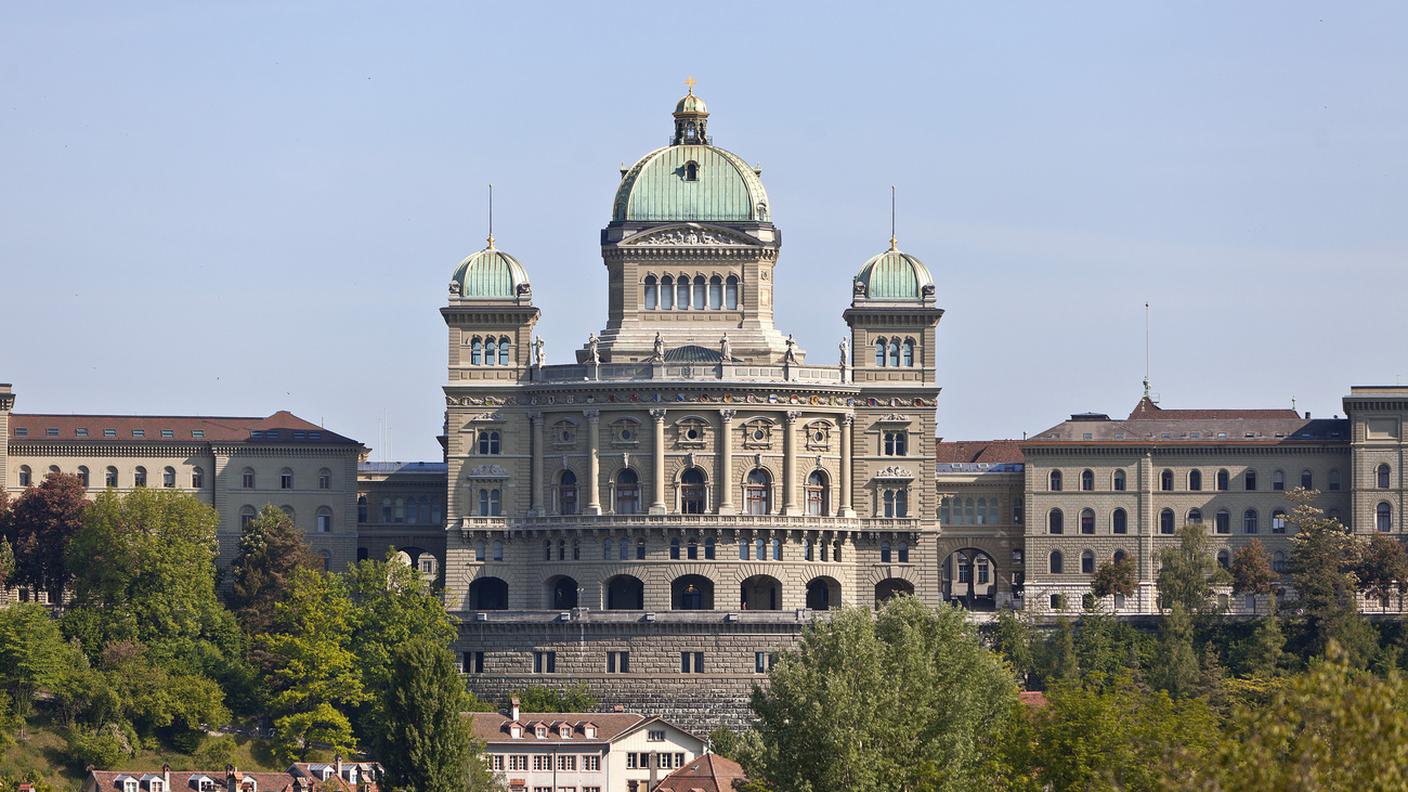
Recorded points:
(691, 182)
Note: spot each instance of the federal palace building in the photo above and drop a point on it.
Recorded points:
(662, 514)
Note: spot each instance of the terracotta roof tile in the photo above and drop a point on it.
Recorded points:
(977, 451)
(492, 727)
(707, 773)
(281, 427)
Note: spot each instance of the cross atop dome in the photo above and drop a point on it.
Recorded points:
(691, 119)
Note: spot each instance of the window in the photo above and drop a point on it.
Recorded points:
(518, 762)
(1278, 522)
(110, 476)
(503, 351)
(895, 503)
(1055, 522)
(1195, 480)
(1307, 479)
(1278, 481)
(1053, 482)
(709, 549)
(640, 549)
(896, 443)
(489, 441)
(1249, 480)
(652, 293)
(1334, 480)
(1224, 559)
(27, 476)
(1087, 521)
(716, 293)
(1119, 521)
(667, 293)
(1223, 480)
(1166, 481)
(285, 479)
(817, 494)
(323, 521)
(1249, 521)
(246, 517)
(591, 762)
(474, 662)
(490, 502)
(247, 478)
(1087, 562)
(567, 762)
(763, 662)
(692, 491)
(139, 478)
(627, 492)
(757, 492)
(908, 352)
(884, 552)
(894, 352)
(1278, 561)
(1383, 517)
(1118, 481)
(1166, 521)
(731, 292)
(324, 479)
(655, 735)
(1195, 517)
(674, 549)
(1381, 476)
(476, 352)
(1222, 521)
(691, 662)
(83, 475)
(168, 476)
(198, 478)
(545, 662)
(618, 662)
(567, 493)
(700, 301)
(745, 552)
(682, 293)
(498, 548)
(880, 352)
(1054, 563)
(903, 551)
(491, 351)
(1087, 480)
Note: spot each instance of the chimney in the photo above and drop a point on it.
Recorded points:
(619, 708)
(230, 783)
(165, 777)
(513, 709)
(1307, 415)
(337, 765)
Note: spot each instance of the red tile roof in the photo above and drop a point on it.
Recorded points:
(492, 727)
(1147, 409)
(976, 451)
(1032, 698)
(281, 427)
(708, 773)
(183, 780)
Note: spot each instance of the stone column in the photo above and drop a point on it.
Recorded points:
(789, 464)
(725, 473)
(847, 421)
(593, 462)
(657, 499)
(539, 508)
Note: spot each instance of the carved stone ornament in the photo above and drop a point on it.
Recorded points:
(488, 471)
(689, 237)
(894, 472)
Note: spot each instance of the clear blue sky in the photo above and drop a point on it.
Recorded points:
(242, 207)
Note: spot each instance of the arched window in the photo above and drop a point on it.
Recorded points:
(757, 492)
(692, 491)
(1222, 521)
(640, 549)
(817, 504)
(491, 350)
(197, 477)
(1119, 556)
(1166, 521)
(708, 549)
(139, 478)
(503, 350)
(1087, 521)
(1053, 482)
(1334, 480)
(1117, 481)
(83, 475)
(700, 293)
(1087, 480)
(1055, 522)
(1119, 521)
(476, 351)
(1381, 476)
(479, 550)
(1224, 559)
(27, 476)
(675, 549)
(1278, 480)
(1195, 517)
(880, 352)
(247, 514)
(884, 552)
(567, 493)
(1250, 521)
(692, 550)
(324, 479)
(386, 516)
(489, 441)
(1383, 517)
(1166, 481)
(110, 477)
(982, 511)
(1054, 563)
(54, 469)
(498, 551)
(623, 549)
(362, 511)
(691, 171)
(1249, 480)
(667, 293)
(731, 292)
(1307, 479)
(168, 476)
(652, 294)
(1278, 561)
(907, 351)
(682, 293)
(903, 552)
(1278, 521)
(547, 549)
(400, 515)
(894, 352)
(627, 492)
(1087, 562)
(1224, 480)
(286, 479)
(1195, 480)
(323, 520)
(716, 292)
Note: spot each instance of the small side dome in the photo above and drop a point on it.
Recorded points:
(692, 104)
(489, 274)
(894, 275)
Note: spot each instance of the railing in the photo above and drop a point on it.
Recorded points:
(724, 372)
(741, 522)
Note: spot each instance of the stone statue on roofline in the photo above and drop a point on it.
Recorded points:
(659, 355)
(593, 352)
(791, 354)
(726, 349)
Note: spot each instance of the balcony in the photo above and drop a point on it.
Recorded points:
(686, 522)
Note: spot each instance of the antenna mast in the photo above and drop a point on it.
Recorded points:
(1146, 350)
(491, 216)
(892, 218)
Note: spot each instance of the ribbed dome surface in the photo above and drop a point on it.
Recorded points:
(894, 275)
(490, 274)
(658, 187)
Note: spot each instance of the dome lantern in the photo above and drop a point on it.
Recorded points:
(691, 119)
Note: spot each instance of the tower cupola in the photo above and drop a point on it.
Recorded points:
(691, 119)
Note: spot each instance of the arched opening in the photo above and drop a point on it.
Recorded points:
(731, 292)
(625, 592)
(823, 593)
(627, 492)
(1087, 480)
(970, 579)
(651, 292)
(692, 592)
(761, 592)
(817, 500)
(692, 491)
(562, 592)
(567, 493)
(889, 588)
(757, 493)
(488, 593)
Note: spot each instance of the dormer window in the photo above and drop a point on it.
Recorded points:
(515, 731)
(691, 170)
(565, 732)
(541, 732)
(589, 731)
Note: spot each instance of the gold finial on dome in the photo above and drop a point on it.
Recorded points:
(490, 240)
(893, 244)
(690, 82)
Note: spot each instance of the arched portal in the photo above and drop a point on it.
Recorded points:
(562, 592)
(692, 592)
(761, 592)
(488, 593)
(889, 588)
(970, 579)
(823, 593)
(625, 592)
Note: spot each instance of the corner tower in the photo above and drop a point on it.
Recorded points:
(689, 252)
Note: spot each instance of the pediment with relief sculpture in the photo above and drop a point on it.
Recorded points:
(690, 235)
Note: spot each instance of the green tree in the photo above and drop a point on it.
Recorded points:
(1188, 571)
(33, 654)
(885, 701)
(1114, 577)
(271, 547)
(1263, 652)
(538, 698)
(1176, 671)
(1383, 567)
(1324, 556)
(1011, 637)
(296, 733)
(426, 743)
(1251, 571)
(41, 522)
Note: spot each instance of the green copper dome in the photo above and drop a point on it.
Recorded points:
(691, 104)
(691, 182)
(894, 275)
(489, 274)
